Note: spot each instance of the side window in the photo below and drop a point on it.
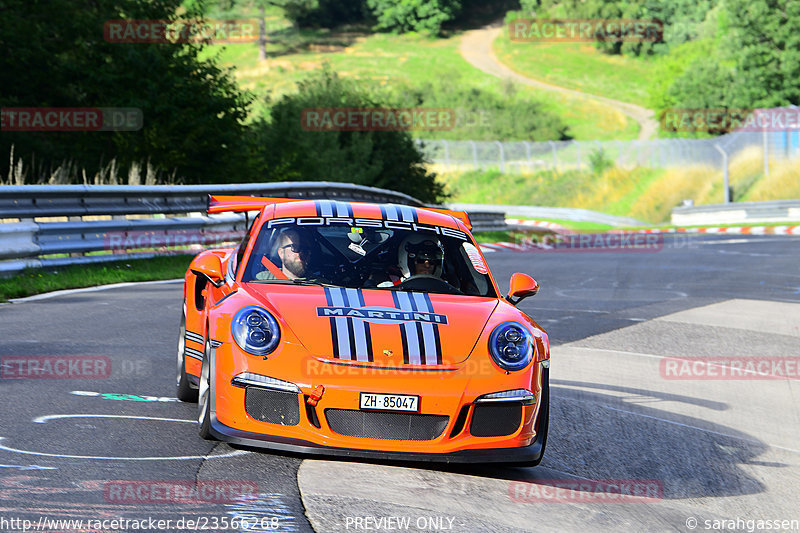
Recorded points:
(245, 242)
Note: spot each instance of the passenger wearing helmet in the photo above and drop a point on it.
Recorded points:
(421, 255)
(416, 255)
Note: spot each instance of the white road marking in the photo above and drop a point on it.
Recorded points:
(46, 418)
(594, 311)
(66, 292)
(695, 360)
(755, 441)
(648, 294)
(29, 467)
(637, 354)
(125, 396)
(103, 458)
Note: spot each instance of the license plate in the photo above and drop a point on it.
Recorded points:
(389, 402)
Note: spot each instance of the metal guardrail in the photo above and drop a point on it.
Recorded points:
(33, 244)
(737, 213)
(28, 244)
(558, 213)
(29, 201)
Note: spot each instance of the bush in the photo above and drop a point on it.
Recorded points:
(482, 115)
(599, 161)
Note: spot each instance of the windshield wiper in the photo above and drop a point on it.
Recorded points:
(298, 281)
(305, 281)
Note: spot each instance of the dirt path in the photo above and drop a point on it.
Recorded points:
(476, 48)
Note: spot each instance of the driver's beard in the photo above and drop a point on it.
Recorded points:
(296, 267)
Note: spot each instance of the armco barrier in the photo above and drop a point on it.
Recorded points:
(29, 201)
(745, 213)
(19, 240)
(558, 213)
(32, 243)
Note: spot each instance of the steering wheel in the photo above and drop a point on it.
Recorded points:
(424, 281)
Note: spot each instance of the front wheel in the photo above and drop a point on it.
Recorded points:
(204, 395)
(184, 391)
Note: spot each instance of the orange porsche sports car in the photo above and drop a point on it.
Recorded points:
(362, 330)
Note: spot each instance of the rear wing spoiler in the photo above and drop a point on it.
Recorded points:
(460, 215)
(226, 204)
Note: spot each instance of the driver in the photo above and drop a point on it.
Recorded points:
(293, 254)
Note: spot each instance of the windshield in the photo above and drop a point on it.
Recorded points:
(430, 259)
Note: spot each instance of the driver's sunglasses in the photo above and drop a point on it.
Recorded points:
(295, 248)
(430, 260)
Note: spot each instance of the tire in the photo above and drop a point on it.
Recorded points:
(544, 424)
(184, 390)
(204, 395)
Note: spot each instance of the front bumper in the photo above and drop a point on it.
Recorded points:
(529, 455)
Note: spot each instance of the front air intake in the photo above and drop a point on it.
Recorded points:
(272, 406)
(495, 419)
(390, 426)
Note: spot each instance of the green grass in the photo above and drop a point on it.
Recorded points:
(614, 191)
(37, 281)
(497, 236)
(388, 60)
(576, 225)
(579, 66)
(624, 205)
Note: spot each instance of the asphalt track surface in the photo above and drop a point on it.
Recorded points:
(719, 454)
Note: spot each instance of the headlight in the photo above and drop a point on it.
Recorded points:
(255, 330)
(511, 346)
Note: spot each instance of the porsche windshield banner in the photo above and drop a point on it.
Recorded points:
(367, 223)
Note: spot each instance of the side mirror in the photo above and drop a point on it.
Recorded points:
(210, 266)
(521, 286)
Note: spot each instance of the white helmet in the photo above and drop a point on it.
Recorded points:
(423, 247)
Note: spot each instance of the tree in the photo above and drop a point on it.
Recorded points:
(751, 60)
(425, 16)
(681, 19)
(324, 13)
(193, 111)
(764, 43)
(293, 9)
(283, 149)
